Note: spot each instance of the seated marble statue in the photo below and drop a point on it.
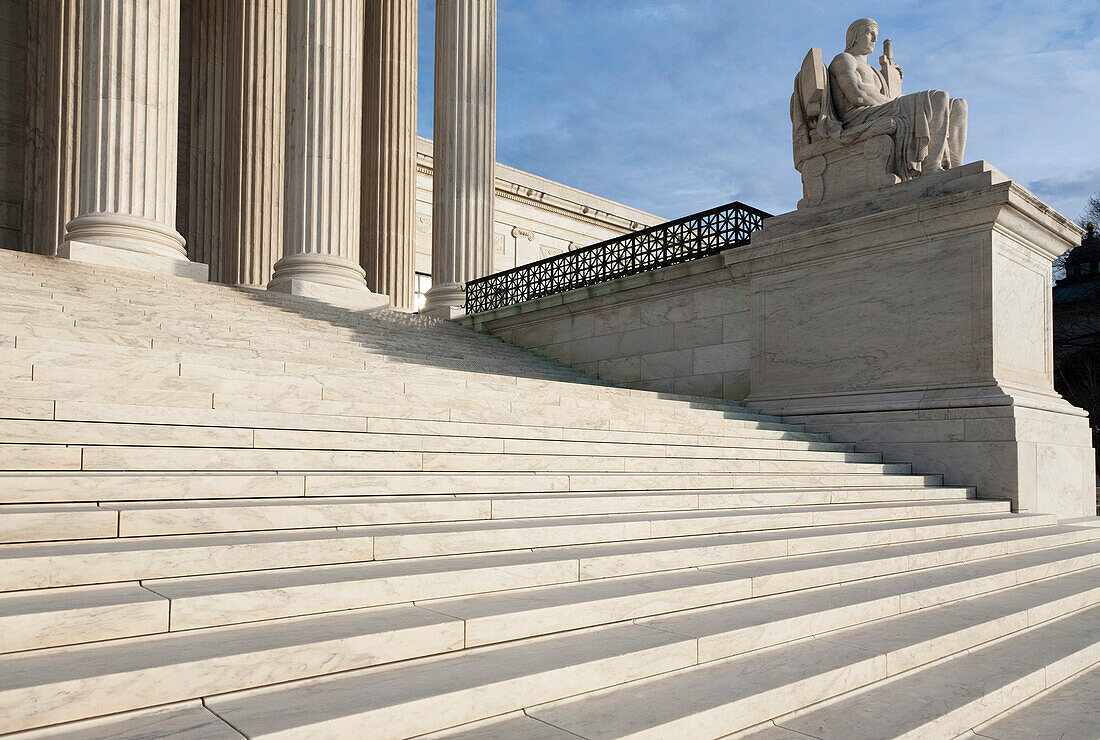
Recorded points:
(851, 103)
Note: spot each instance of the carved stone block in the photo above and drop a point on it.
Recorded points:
(837, 171)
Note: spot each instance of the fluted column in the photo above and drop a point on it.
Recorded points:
(206, 151)
(53, 124)
(128, 141)
(324, 152)
(255, 140)
(465, 150)
(388, 249)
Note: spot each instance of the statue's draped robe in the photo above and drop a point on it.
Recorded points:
(917, 123)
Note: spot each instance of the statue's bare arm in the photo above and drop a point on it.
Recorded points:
(844, 72)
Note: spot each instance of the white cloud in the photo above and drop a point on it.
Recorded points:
(674, 107)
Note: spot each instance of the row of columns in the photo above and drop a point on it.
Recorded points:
(327, 185)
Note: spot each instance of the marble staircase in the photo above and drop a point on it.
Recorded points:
(226, 513)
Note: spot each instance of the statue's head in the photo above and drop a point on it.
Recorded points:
(861, 37)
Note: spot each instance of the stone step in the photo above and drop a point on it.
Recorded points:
(85, 562)
(306, 400)
(728, 630)
(126, 328)
(216, 600)
(59, 616)
(198, 517)
(467, 438)
(84, 376)
(714, 437)
(56, 522)
(492, 618)
(216, 459)
(718, 698)
(628, 558)
(966, 691)
(36, 487)
(314, 416)
(1064, 710)
(45, 565)
(433, 694)
(126, 345)
(148, 362)
(206, 662)
(184, 720)
(31, 620)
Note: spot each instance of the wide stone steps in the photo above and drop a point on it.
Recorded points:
(65, 563)
(966, 691)
(325, 416)
(1064, 710)
(58, 616)
(69, 399)
(31, 457)
(124, 519)
(228, 513)
(71, 486)
(193, 376)
(437, 692)
(25, 432)
(207, 662)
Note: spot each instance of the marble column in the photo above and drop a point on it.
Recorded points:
(206, 150)
(255, 140)
(465, 150)
(128, 139)
(51, 156)
(388, 248)
(324, 165)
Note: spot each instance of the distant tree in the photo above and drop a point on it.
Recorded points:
(1090, 216)
(1092, 211)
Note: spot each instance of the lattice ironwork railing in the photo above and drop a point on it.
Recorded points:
(682, 240)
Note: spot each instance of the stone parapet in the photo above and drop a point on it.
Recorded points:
(915, 321)
(919, 322)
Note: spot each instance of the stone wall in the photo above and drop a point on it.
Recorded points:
(680, 329)
(535, 217)
(916, 322)
(13, 53)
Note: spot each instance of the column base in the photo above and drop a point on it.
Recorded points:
(325, 278)
(130, 242)
(97, 254)
(445, 301)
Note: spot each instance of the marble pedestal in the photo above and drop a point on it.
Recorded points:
(95, 254)
(917, 321)
(325, 278)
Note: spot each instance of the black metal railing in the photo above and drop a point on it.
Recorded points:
(682, 240)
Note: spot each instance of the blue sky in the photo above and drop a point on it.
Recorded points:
(675, 106)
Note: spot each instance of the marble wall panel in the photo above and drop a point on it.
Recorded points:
(865, 332)
(683, 329)
(1022, 290)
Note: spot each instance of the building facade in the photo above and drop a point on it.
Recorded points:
(271, 143)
